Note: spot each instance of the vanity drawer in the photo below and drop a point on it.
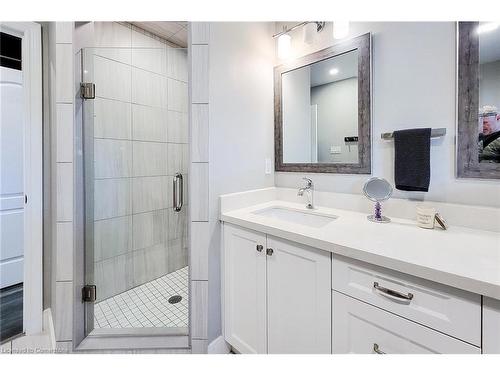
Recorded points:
(446, 309)
(363, 329)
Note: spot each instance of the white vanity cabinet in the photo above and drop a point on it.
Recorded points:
(491, 326)
(277, 295)
(377, 310)
(284, 297)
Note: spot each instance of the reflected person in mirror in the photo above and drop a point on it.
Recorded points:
(489, 134)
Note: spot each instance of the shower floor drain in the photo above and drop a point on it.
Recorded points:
(174, 299)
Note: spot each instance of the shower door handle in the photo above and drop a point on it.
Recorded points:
(178, 192)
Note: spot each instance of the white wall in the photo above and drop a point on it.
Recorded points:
(413, 86)
(337, 118)
(241, 127)
(296, 89)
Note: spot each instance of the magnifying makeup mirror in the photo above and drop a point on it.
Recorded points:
(378, 190)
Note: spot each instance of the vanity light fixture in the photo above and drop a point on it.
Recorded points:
(340, 29)
(284, 46)
(285, 40)
(333, 71)
(487, 27)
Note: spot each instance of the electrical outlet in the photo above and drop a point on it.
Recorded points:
(335, 150)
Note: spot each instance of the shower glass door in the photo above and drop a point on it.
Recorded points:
(135, 152)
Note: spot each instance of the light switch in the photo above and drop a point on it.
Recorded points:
(335, 150)
(268, 166)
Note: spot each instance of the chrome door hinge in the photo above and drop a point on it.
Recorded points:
(87, 90)
(89, 293)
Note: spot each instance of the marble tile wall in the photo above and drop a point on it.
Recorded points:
(140, 142)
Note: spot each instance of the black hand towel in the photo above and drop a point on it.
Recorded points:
(412, 170)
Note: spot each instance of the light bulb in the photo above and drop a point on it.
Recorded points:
(310, 30)
(333, 71)
(340, 29)
(284, 46)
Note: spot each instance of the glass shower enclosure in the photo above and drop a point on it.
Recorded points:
(135, 179)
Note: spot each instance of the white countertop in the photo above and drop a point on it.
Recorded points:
(464, 258)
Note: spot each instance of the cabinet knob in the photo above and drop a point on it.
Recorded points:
(269, 251)
(259, 248)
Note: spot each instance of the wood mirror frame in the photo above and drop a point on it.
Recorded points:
(468, 165)
(363, 45)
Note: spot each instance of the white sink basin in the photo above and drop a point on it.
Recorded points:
(308, 218)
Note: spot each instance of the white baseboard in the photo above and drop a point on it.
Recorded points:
(219, 346)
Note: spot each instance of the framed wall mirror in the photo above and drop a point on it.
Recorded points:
(478, 137)
(322, 112)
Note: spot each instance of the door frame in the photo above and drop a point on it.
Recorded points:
(31, 34)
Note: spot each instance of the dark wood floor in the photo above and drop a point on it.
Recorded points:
(11, 311)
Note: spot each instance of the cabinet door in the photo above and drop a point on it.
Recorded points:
(363, 329)
(244, 285)
(298, 298)
(491, 326)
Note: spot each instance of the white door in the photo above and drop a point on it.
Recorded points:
(21, 166)
(12, 169)
(244, 288)
(298, 298)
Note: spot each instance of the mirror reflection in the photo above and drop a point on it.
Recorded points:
(489, 92)
(320, 111)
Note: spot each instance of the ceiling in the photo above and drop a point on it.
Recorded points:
(346, 64)
(173, 31)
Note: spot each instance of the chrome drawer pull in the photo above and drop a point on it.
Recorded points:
(393, 293)
(377, 350)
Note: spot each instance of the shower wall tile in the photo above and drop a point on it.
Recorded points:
(199, 134)
(178, 127)
(177, 64)
(113, 275)
(64, 73)
(151, 59)
(199, 74)
(151, 193)
(63, 310)
(112, 237)
(177, 95)
(112, 119)
(199, 303)
(112, 158)
(199, 191)
(64, 200)
(200, 237)
(199, 346)
(177, 254)
(149, 123)
(148, 88)
(150, 159)
(116, 36)
(177, 158)
(149, 263)
(121, 55)
(177, 228)
(64, 127)
(112, 198)
(149, 229)
(200, 32)
(64, 249)
(64, 32)
(112, 79)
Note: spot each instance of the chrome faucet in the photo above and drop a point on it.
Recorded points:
(309, 188)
